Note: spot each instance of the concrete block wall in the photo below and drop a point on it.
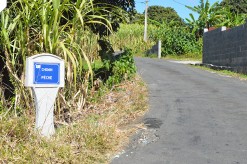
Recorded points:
(226, 48)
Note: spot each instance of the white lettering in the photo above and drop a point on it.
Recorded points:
(46, 77)
(47, 69)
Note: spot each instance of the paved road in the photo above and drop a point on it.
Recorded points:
(196, 117)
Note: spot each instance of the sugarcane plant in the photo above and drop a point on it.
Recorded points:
(59, 27)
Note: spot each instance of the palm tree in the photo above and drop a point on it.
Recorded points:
(231, 19)
(208, 14)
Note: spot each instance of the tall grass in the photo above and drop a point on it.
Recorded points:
(131, 36)
(30, 27)
(94, 138)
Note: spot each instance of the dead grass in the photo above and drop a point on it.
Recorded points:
(93, 137)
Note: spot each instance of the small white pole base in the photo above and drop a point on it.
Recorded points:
(44, 102)
(159, 49)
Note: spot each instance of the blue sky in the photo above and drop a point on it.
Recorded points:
(178, 5)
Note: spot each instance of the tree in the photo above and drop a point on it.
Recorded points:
(230, 19)
(164, 14)
(127, 5)
(235, 6)
(117, 11)
(208, 16)
(229, 13)
(114, 10)
(137, 17)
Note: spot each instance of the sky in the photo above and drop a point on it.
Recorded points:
(178, 5)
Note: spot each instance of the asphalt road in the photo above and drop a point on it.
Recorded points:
(195, 117)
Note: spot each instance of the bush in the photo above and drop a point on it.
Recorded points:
(177, 40)
(122, 68)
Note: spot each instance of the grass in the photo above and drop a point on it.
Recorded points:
(224, 72)
(184, 57)
(94, 136)
(96, 64)
(131, 36)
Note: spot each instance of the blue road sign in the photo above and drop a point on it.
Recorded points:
(46, 73)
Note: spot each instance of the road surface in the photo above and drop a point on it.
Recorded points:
(195, 117)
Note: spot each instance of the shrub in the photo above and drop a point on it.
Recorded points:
(25, 32)
(122, 68)
(177, 40)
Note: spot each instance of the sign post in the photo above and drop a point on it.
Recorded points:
(3, 4)
(45, 74)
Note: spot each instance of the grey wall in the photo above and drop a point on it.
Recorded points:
(226, 48)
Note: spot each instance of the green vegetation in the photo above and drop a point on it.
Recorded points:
(25, 32)
(131, 36)
(164, 14)
(235, 6)
(208, 16)
(234, 13)
(185, 57)
(224, 72)
(76, 31)
(122, 68)
(228, 14)
(180, 40)
(177, 40)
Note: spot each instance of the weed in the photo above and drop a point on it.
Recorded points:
(123, 68)
(95, 136)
